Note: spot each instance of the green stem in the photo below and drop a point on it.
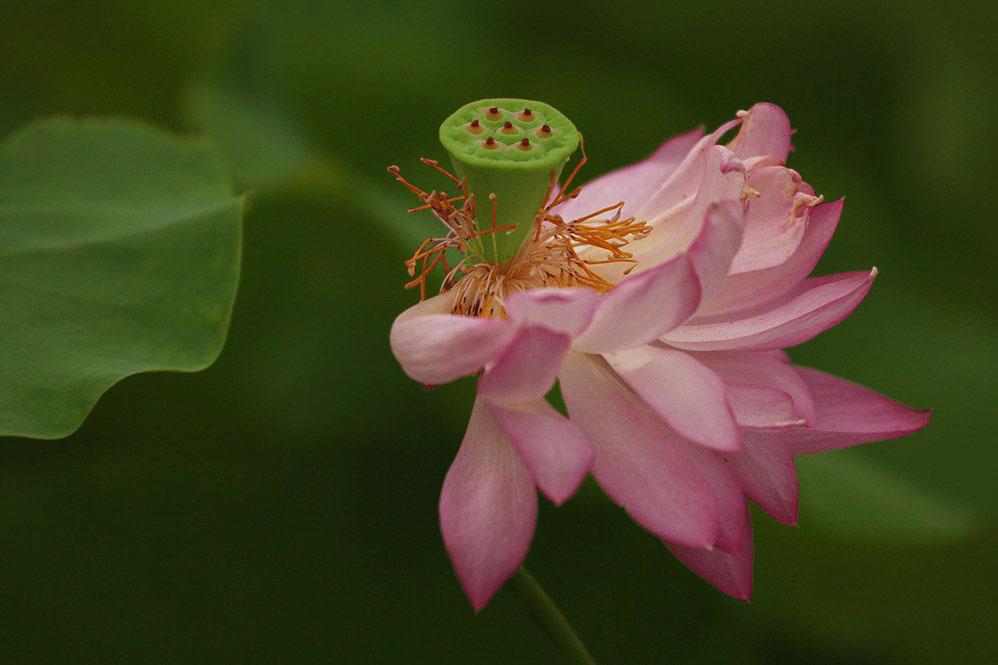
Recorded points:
(550, 618)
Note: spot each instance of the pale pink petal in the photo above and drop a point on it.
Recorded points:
(818, 304)
(488, 509)
(675, 230)
(713, 250)
(636, 466)
(771, 371)
(555, 450)
(748, 290)
(730, 573)
(765, 467)
(566, 311)
(758, 406)
(847, 414)
(681, 391)
(437, 348)
(527, 368)
(633, 184)
(765, 130)
(774, 221)
(684, 182)
(642, 307)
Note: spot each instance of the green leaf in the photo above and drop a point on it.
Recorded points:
(854, 496)
(119, 253)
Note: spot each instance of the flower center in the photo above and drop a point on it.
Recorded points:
(517, 240)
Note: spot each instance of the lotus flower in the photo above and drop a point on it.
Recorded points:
(663, 319)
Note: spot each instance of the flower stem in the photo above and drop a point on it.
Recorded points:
(549, 617)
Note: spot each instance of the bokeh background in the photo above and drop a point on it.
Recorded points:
(281, 506)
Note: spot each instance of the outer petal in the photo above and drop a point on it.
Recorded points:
(633, 184)
(433, 347)
(566, 311)
(765, 130)
(636, 466)
(819, 304)
(730, 573)
(746, 373)
(848, 414)
(554, 449)
(488, 509)
(643, 307)
(681, 391)
(748, 290)
(766, 468)
(527, 368)
(758, 406)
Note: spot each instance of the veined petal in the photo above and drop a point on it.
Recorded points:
(642, 308)
(567, 311)
(437, 348)
(488, 509)
(554, 449)
(680, 391)
(633, 184)
(818, 304)
(730, 573)
(527, 368)
(636, 466)
(765, 130)
(750, 371)
(847, 414)
(748, 290)
(716, 246)
(765, 467)
(759, 406)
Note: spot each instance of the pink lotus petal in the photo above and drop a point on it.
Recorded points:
(633, 184)
(681, 391)
(526, 370)
(818, 304)
(642, 307)
(437, 348)
(848, 414)
(553, 448)
(567, 311)
(751, 371)
(684, 182)
(676, 230)
(717, 245)
(636, 466)
(748, 290)
(758, 406)
(765, 467)
(774, 221)
(765, 130)
(730, 573)
(488, 509)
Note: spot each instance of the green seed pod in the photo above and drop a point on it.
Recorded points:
(509, 148)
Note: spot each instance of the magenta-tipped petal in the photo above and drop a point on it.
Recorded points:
(765, 130)
(642, 307)
(527, 368)
(765, 467)
(438, 348)
(847, 414)
(730, 573)
(746, 291)
(681, 391)
(567, 311)
(488, 509)
(637, 467)
(554, 449)
(818, 304)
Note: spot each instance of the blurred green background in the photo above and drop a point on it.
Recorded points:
(281, 506)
